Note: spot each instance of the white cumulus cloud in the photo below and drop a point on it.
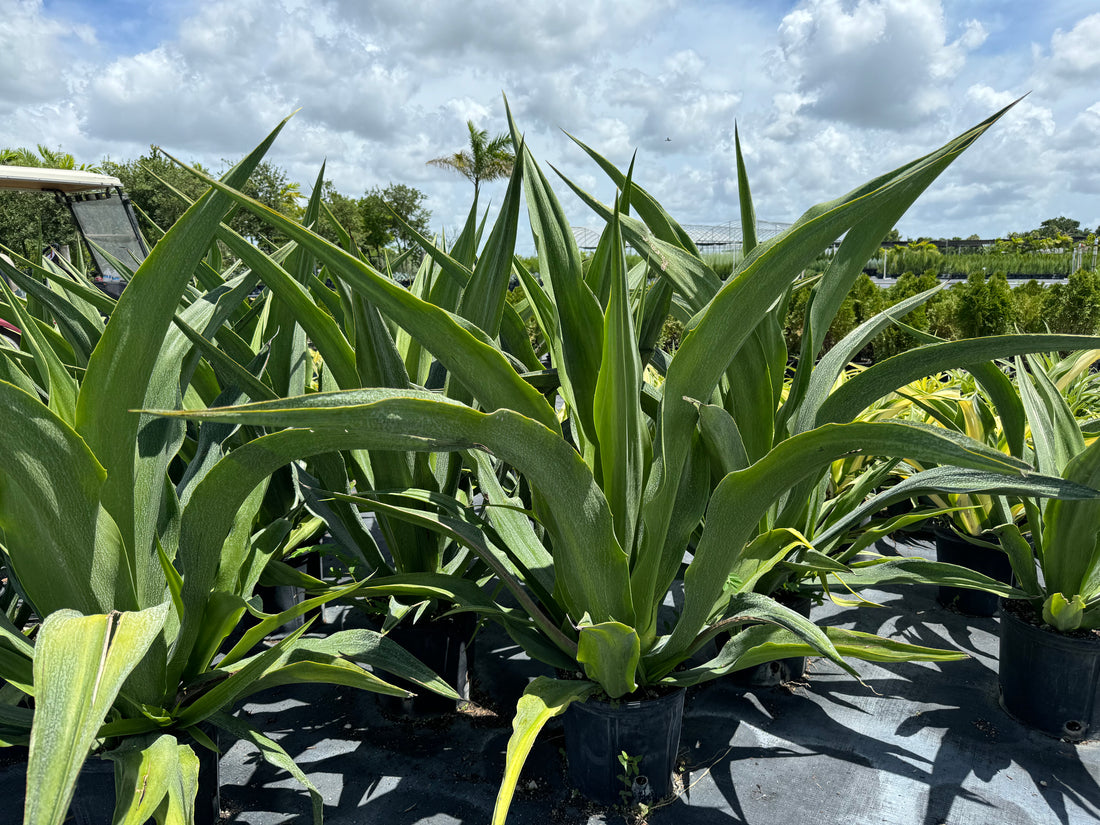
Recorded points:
(878, 63)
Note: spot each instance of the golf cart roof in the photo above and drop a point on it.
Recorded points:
(28, 178)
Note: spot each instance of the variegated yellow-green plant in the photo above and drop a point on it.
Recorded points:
(962, 405)
(702, 481)
(138, 555)
(1064, 535)
(988, 405)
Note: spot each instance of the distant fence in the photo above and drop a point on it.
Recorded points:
(722, 237)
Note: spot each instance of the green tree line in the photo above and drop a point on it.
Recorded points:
(968, 309)
(160, 191)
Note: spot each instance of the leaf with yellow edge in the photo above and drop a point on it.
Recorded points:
(544, 699)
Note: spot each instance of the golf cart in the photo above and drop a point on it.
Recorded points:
(103, 215)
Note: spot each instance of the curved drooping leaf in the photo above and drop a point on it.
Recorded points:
(768, 643)
(957, 481)
(543, 699)
(742, 498)
(592, 573)
(916, 570)
(272, 753)
(745, 608)
(340, 658)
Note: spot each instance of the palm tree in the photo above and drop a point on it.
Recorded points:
(485, 160)
(45, 157)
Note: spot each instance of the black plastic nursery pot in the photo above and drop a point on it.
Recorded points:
(647, 731)
(280, 597)
(1050, 681)
(444, 646)
(952, 549)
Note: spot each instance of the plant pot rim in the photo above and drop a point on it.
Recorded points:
(1075, 639)
(946, 531)
(605, 705)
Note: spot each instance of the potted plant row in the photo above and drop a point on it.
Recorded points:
(718, 483)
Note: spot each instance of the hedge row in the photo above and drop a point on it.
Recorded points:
(977, 306)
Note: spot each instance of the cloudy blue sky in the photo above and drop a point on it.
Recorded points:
(826, 94)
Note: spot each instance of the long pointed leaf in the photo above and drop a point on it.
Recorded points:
(593, 572)
(620, 426)
(742, 498)
(477, 363)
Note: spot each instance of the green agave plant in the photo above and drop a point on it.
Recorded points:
(360, 348)
(701, 482)
(137, 546)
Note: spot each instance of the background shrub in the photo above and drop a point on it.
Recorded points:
(984, 306)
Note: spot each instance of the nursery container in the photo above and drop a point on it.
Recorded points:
(279, 597)
(1050, 681)
(444, 646)
(953, 549)
(648, 731)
